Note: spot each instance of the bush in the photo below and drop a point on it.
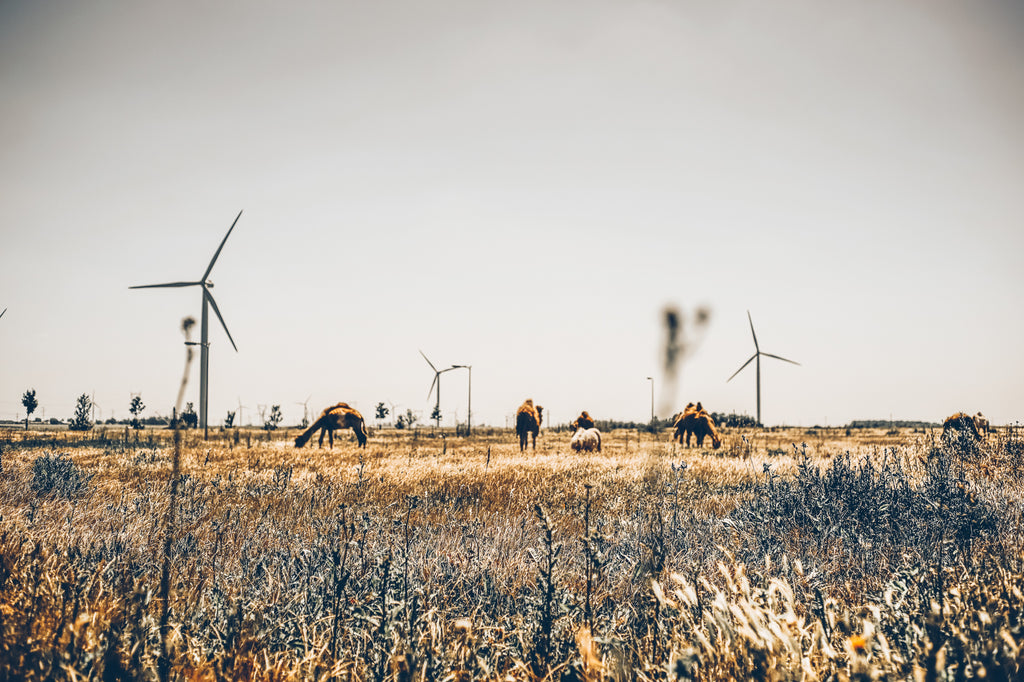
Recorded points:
(870, 511)
(59, 476)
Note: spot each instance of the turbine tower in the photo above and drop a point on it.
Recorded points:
(437, 382)
(757, 356)
(204, 343)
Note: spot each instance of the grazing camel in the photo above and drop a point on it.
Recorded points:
(340, 416)
(528, 419)
(961, 423)
(695, 420)
(582, 422)
(982, 422)
(586, 440)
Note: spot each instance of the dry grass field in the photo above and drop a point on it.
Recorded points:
(784, 555)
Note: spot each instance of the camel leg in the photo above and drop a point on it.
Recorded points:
(321, 442)
(330, 436)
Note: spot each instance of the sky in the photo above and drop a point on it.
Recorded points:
(523, 187)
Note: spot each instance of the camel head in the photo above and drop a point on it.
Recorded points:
(540, 414)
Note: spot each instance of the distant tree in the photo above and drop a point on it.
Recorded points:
(405, 421)
(274, 419)
(229, 420)
(382, 411)
(82, 420)
(435, 416)
(189, 416)
(136, 407)
(30, 403)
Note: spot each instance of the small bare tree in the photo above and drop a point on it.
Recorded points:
(30, 403)
(82, 421)
(136, 407)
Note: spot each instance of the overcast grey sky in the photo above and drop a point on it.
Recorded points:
(520, 186)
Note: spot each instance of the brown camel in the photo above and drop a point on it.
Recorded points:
(961, 423)
(690, 407)
(582, 422)
(528, 419)
(695, 420)
(340, 416)
(982, 422)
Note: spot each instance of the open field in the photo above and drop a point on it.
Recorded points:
(792, 554)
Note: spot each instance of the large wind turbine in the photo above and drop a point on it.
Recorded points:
(437, 382)
(757, 356)
(204, 344)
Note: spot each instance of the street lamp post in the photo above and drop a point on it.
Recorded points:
(651, 379)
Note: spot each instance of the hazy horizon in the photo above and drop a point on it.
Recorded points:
(522, 188)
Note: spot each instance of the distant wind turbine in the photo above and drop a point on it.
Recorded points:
(757, 356)
(240, 408)
(305, 410)
(437, 382)
(204, 343)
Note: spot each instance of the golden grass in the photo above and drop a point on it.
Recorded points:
(421, 557)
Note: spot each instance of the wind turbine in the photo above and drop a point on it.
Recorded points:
(305, 409)
(757, 356)
(2, 314)
(437, 381)
(469, 408)
(240, 407)
(204, 343)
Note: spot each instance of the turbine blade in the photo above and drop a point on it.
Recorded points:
(213, 304)
(769, 355)
(741, 368)
(432, 383)
(169, 284)
(428, 361)
(2, 314)
(214, 259)
(756, 347)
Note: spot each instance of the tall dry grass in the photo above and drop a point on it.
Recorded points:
(785, 555)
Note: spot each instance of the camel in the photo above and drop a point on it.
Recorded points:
(582, 422)
(586, 440)
(528, 419)
(340, 416)
(982, 422)
(695, 420)
(961, 423)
